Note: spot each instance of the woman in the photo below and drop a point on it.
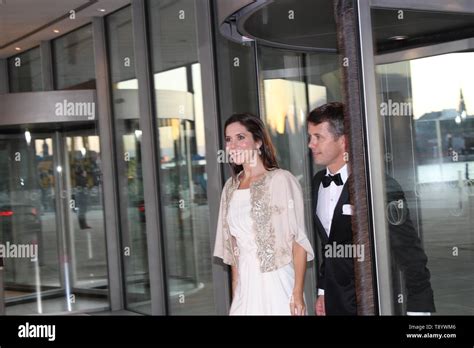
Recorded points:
(261, 230)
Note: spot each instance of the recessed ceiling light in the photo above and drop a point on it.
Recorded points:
(17, 49)
(398, 37)
(102, 9)
(56, 31)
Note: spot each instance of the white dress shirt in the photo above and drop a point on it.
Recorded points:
(328, 197)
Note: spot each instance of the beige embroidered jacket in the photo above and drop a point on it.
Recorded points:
(278, 220)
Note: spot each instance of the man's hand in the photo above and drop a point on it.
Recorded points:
(319, 306)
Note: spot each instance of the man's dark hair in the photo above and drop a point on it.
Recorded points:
(332, 113)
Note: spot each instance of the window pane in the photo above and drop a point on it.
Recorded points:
(294, 84)
(25, 72)
(180, 121)
(69, 271)
(85, 218)
(28, 216)
(129, 162)
(426, 106)
(73, 57)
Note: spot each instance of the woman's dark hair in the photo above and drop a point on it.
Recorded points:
(257, 128)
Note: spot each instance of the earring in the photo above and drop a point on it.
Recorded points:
(346, 156)
(259, 152)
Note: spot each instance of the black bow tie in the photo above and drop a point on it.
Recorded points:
(336, 178)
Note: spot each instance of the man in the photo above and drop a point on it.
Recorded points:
(81, 196)
(332, 219)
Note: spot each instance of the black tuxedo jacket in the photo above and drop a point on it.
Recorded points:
(336, 274)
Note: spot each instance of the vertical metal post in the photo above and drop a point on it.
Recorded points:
(2, 289)
(3, 90)
(109, 170)
(150, 156)
(61, 204)
(214, 170)
(4, 85)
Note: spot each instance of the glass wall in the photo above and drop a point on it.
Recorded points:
(293, 84)
(237, 76)
(180, 122)
(84, 217)
(129, 161)
(28, 218)
(426, 107)
(51, 211)
(73, 59)
(24, 72)
(237, 79)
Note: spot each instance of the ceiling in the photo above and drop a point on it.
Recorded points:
(25, 23)
(312, 26)
(419, 28)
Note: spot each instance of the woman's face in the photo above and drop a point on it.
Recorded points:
(240, 145)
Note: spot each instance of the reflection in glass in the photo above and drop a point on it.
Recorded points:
(237, 76)
(426, 108)
(293, 84)
(129, 161)
(73, 59)
(86, 216)
(180, 120)
(68, 271)
(28, 218)
(24, 71)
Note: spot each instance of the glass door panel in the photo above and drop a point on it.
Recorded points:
(51, 223)
(180, 123)
(28, 222)
(85, 216)
(426, 105)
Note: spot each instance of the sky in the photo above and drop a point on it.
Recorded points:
(436, 82)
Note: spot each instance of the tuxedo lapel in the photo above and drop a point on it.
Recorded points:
(318, 225)
(337, 216)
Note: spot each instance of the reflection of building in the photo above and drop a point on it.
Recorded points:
(439, 133)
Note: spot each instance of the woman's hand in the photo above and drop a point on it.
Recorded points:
(235, 278)
(297, 305)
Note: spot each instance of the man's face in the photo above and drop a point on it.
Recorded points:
(326, 148)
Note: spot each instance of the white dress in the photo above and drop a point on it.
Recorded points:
(257, 293)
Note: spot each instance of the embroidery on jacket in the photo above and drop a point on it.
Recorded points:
(261, 215)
